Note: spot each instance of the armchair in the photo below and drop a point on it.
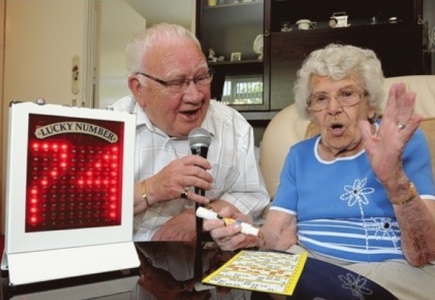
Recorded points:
(287, 127)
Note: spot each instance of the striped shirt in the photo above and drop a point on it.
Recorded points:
(342, 210)
(235, 169)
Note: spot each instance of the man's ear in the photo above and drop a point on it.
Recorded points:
(135, 86)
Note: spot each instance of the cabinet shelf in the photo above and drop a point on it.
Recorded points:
(239, 62)
(233, 5)
(363, 10)
(349, 29)
(229, 28)
(358, 24)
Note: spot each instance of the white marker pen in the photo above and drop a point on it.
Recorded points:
(207, 214)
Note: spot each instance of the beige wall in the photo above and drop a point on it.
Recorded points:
(41, 39)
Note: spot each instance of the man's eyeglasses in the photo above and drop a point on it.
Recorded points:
(346, 98)
(180, 85)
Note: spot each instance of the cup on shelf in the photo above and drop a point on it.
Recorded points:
(305, 24)
(339, 19)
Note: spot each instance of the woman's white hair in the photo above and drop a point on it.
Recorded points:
(143, 40)
(339, 62)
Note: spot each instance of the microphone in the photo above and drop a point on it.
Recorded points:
(199, 141)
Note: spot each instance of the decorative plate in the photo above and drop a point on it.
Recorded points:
(258, 44)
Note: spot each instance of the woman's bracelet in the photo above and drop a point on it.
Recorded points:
(411, 195)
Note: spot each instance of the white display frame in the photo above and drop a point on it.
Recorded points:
(70, 252)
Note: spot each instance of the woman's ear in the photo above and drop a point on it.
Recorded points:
(372, 115)
(310, 116)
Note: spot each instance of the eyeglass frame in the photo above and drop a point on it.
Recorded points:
(360, 93)
(186, 81)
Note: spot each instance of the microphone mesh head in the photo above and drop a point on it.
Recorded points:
(199, 137)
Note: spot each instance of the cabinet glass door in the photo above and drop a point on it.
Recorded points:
(231, 34)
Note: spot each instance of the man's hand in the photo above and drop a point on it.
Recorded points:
(172, 180)
(179, 228)
(228, 236)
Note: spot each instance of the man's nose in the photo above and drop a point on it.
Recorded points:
(193, 90)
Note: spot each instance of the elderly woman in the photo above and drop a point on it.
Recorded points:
(360, 193)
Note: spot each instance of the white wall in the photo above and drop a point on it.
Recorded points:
(181, 12)
(118, 23)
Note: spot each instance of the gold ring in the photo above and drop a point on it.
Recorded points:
(400, 125)
(183, 194)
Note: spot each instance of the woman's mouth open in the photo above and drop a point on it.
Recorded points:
(337, 129)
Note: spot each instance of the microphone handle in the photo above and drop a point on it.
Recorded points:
(198, 266)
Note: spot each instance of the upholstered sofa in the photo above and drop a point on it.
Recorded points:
(287, 127)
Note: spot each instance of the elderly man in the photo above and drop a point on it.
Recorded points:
(170, 85)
